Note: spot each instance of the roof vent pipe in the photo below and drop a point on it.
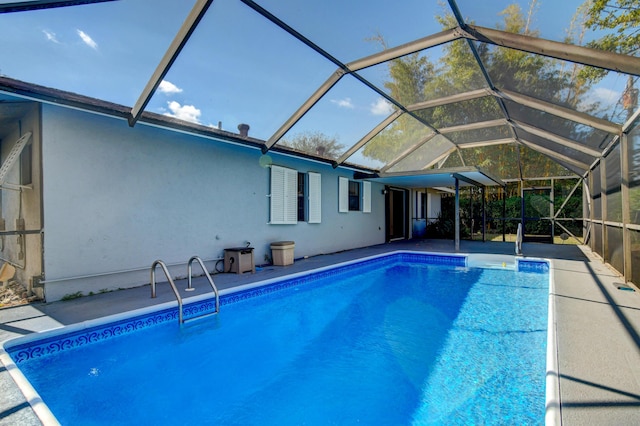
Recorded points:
(244, 130)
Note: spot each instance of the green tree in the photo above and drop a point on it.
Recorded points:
(315, 143)
(623, 16)
(414, 78)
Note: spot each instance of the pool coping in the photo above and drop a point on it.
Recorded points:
(552, 384)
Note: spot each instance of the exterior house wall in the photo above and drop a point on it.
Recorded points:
(24, 252)
(117, 198)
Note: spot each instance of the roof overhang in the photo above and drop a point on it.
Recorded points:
(466, 176)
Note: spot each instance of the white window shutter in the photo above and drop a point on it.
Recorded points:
(277, 194)
(291, 196)
(284, 193)
(343, 195)
(366, 197)
(315, 197)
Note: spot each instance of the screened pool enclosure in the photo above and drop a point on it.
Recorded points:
(529, 107)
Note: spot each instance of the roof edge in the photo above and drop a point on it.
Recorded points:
(38, 93)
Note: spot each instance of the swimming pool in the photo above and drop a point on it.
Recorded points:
(406, 338)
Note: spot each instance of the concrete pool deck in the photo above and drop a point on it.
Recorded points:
(598, 325)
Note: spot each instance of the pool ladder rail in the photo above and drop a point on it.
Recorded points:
(189, 287)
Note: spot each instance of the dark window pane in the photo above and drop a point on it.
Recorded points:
(354, 195)
(301, 197)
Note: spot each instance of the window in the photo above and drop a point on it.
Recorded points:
(284, 205)
(349, 193)
(302, 201)
(295, 196)
(420, 210)
(354, 196)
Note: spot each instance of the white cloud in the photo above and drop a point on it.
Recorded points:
(381, 107)
(606, 96)
(184, 112)
(343, 103)
(87, 40)
(50, 36)
(168, 88)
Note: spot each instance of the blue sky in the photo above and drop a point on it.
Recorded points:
(238, 67)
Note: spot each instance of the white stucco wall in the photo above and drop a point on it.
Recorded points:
(117, 198)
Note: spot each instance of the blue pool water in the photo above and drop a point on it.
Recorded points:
(390, 342)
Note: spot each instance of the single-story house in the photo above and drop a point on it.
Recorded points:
(89, 203)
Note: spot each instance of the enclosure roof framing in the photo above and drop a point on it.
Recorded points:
(557, 139)
(407, 152)
(559, 111)
(25, 6)
(557, 50)
(486, 143)
(384, 123)
(188, 27)
(470, 94)
(406, 49)
(551, 153)
(474, 126)
(459, 97)
(303, 109)
(441, 157)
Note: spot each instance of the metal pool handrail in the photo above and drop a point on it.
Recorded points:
(173, 286)
(206, 273)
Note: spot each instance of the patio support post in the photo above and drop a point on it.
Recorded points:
(626, 212)
(484, 213)
(603, 209)
(471, 225)
(504, 213)
(552, 212)
(522, 218)
(457, 219)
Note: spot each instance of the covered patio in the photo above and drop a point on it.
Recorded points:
(515, 90)
(414, 95)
